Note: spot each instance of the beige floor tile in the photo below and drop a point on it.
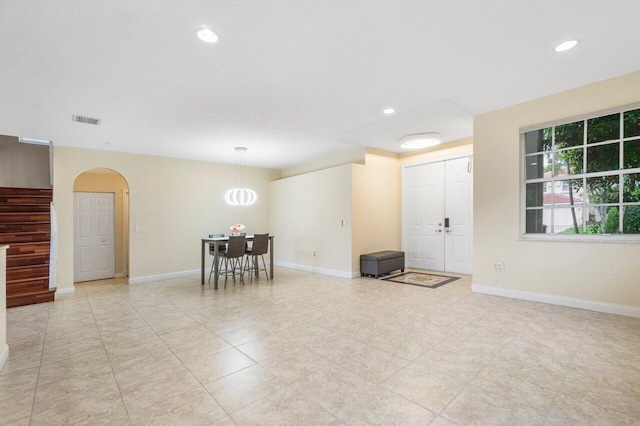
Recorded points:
(370, 363)
(16, 405)
(424, 386)
(96, 352)
(23, 355)
(283, 407)
(195, 407)
(67, 390)
(243, 334)
(18, 380)
(332, 387)
(157, 387)
(20, 422)
(244, 387)
(211, 367)
(381, 406)
(105, 408)
(441, 421)
(460, 365)
(267, 347)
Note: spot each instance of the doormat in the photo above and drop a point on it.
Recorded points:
(421, 279)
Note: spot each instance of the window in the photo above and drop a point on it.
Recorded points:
(581, 180)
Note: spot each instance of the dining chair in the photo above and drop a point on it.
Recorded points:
(222, 248)
(260, 247)
(235, 255)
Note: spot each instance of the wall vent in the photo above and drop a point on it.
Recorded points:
(86, 120)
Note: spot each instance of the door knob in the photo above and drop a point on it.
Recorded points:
(448, 230)
(439, 230)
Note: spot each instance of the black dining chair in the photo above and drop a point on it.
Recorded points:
(235, 255)
(260, 247)
(222, 249)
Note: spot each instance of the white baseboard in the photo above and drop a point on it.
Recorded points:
(608, 308)
(147, 278)
(65, 290)
(4, 355)
(323, 271)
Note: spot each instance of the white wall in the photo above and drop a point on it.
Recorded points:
(4, 349)
(176, 201)
(602, 274)
(305, 215)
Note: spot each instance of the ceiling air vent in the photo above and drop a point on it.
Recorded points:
(86, 120)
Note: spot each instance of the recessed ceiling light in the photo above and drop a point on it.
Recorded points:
(420, 140)
(563, 47)
(205, 34)
(388, 111)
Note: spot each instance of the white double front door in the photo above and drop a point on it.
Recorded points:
(94, 251)
(437, 215)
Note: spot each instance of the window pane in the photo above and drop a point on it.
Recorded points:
(603, 158)
(571, 134)
(603, 190)
(568, 220)
(568, 192)
(538, 221)
(535, 194)
(538, 166)
(537, 141)
(603, 128)
(631, 220)
(632, 154)
(569, 162)
(603, 220)
(632, 123)
(631, 192)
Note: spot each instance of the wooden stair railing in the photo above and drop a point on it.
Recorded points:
(25, 226)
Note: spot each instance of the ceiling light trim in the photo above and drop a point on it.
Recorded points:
(421, 140)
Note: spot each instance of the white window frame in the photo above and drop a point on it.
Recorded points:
(625, 238)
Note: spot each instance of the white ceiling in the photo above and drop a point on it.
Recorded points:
(292, 80)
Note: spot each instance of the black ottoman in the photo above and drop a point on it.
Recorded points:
(382, 262)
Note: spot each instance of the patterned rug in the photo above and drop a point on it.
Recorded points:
(421, 279)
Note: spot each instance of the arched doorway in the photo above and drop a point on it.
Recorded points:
(101, 225)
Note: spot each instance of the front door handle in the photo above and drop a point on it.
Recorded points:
(438, 230)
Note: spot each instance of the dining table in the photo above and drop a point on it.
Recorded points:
(216, 256)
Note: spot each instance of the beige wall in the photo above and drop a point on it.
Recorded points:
(109, 182)
(176, 201)
(354, 156)
(23, 165)
(305, 215)
(4, 349)
(461, 147)
(375, 206)
(600, 272)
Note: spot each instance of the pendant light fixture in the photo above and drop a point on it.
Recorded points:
(240, 196)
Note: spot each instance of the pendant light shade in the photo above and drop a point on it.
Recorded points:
(240, 196)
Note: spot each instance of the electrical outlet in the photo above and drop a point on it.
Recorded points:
(314, 253)
(139, 228)
(500, 266)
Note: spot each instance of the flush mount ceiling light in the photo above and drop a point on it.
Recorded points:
(563, 47)
(205, 34)
(388, 111)
(420, 140)
(240, 196)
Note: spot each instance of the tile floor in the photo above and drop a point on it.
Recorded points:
(309, 349)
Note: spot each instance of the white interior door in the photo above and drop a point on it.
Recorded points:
(94, 251)
(459, 210)
(424, 207)
(432, 193)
